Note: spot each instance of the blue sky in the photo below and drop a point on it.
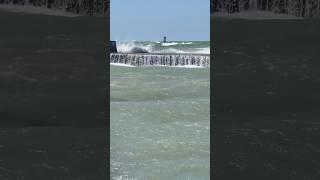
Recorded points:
(179, 20)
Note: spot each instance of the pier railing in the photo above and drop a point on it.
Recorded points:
(160, 59)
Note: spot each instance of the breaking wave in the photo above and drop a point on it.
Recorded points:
(189, 51)
(176, 43)
(169, 44)
(133, 47)
(158, 47)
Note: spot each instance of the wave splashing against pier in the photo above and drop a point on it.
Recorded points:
(169, 47)
(174, 60)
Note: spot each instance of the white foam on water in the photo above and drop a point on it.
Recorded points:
(171, 50)
(203, 50)
(132, 47)
(191, 51)
(122, 64)
(187, 66)
(175, 43)
(124, 177)
(186, 43)
(178, 66)
(169, 44)
(135, 47)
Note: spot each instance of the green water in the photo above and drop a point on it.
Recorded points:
(159, 123)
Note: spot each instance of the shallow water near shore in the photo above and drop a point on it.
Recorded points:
(159, 123)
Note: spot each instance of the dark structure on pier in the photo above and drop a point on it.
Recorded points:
(113, 46)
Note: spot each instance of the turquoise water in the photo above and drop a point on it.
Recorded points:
(159, 123)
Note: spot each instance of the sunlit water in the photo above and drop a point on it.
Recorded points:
(159, 123)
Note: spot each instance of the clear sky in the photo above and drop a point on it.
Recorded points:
(179, 20)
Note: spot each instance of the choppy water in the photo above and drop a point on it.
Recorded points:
(159, 123)
(194, 47)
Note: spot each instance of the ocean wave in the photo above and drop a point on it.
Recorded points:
(133, 47)
(186, 43)
(186, 51)
(153, 47)
(169, 43)
(203, 50)
(175, 43)
(170, 50)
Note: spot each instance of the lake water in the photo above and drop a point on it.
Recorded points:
(160, 123)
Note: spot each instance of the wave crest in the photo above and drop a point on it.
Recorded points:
(132, 47)
(156, 47)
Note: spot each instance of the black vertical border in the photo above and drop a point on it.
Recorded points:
(107, 38)
(212, 60)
